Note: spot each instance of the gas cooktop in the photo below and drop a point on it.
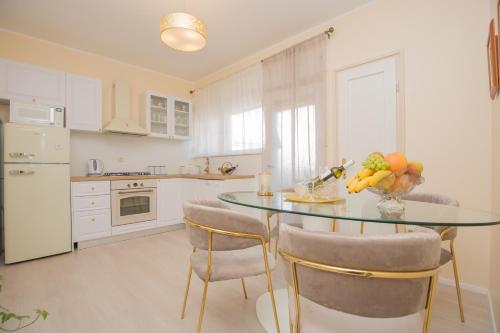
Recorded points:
(126, 173)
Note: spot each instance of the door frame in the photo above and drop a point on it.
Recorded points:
(400, 102)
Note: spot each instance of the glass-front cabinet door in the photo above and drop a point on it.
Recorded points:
(182, 119)
(157, 119)
(168, 117)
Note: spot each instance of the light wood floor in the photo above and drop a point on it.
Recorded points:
(137, 286)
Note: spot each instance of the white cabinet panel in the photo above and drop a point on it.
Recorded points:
(83, 103)
(28, 83)
(169, 202)
(91, 202)
(90, 188)
(91, 224)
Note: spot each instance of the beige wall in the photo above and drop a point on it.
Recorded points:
(495, 195)
(134, 152)
(446, 97)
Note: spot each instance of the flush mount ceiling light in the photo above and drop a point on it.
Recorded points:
(183, 32)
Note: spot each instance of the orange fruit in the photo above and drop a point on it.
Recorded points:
(397, 163)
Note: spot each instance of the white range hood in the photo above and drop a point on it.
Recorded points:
(122, 121)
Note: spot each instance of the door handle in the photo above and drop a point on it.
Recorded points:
(21, 172)
(132, 192)
(21, 155)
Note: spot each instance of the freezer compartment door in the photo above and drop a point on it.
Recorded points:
(35, 144)
(37, 211)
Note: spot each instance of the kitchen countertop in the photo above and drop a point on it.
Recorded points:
(167, 176)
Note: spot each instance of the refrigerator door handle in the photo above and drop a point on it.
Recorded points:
(21, 172)
(22, 155)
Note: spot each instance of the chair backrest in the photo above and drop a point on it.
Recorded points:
(217, 215)
(363, 296)
(432, 198)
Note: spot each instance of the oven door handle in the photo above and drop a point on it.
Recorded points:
(132, 192)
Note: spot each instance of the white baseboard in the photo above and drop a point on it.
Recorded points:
(465, 286)
(127, 236)
(492, 314)
(474, 289)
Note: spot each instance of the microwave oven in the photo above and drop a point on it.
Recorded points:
(36, 114)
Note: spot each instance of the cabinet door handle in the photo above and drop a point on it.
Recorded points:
(21, 172)
(92, 219)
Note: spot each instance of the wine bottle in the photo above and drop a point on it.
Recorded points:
(336, 172)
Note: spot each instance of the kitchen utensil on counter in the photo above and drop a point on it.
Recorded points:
(95, 167)
(190, 169)
(227, 168)
(157, 169)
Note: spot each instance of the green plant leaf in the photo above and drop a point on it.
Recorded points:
(42, 313)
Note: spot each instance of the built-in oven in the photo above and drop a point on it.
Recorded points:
(133, 201)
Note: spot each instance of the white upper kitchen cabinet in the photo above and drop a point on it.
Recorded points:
(83, 103)
(181, 118)
(28, 83)
(167, 117)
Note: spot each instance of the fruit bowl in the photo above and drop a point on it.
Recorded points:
(391, 177)
(391, 204)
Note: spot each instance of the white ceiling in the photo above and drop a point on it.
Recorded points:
(128, 30)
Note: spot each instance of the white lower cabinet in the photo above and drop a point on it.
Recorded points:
(169, 200)
(90, 210)
(91, 204)
(91, 224)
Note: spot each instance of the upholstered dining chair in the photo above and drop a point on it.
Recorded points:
(376, 276)
(446, 233)
(227, 245)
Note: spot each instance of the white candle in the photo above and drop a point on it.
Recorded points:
(264, 182)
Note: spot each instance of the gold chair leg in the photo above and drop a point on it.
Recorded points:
(430, 299)
(362, 228)
(295, 284)
(268, 230)
(244, 289)
(457, 280)
(277, 238)
(186, 292)
(207, 279)
(334, 225)
(188, 282)
(270, 287)
(396, 229)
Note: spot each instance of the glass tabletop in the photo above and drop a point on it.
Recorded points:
(356, 208)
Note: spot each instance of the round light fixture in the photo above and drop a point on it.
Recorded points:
(183, 32)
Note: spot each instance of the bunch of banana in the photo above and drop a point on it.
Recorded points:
(364, 178)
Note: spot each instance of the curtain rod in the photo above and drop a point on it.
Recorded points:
(329, 32)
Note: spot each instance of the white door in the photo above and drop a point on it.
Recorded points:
(35, 144)
(83, 103)
(367, 118)
(37, 217)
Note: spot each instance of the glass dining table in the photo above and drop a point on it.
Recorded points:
(358, 208)
(355, 209)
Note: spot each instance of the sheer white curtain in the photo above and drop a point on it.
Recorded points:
(228, 115)
(294, 106)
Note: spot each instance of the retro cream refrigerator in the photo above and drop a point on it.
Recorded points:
(36, 191)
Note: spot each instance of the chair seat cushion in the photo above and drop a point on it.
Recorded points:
(445, 257)
(228, 265)
(290, 219)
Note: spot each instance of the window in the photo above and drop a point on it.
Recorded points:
(228, 115)
(246, 131)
